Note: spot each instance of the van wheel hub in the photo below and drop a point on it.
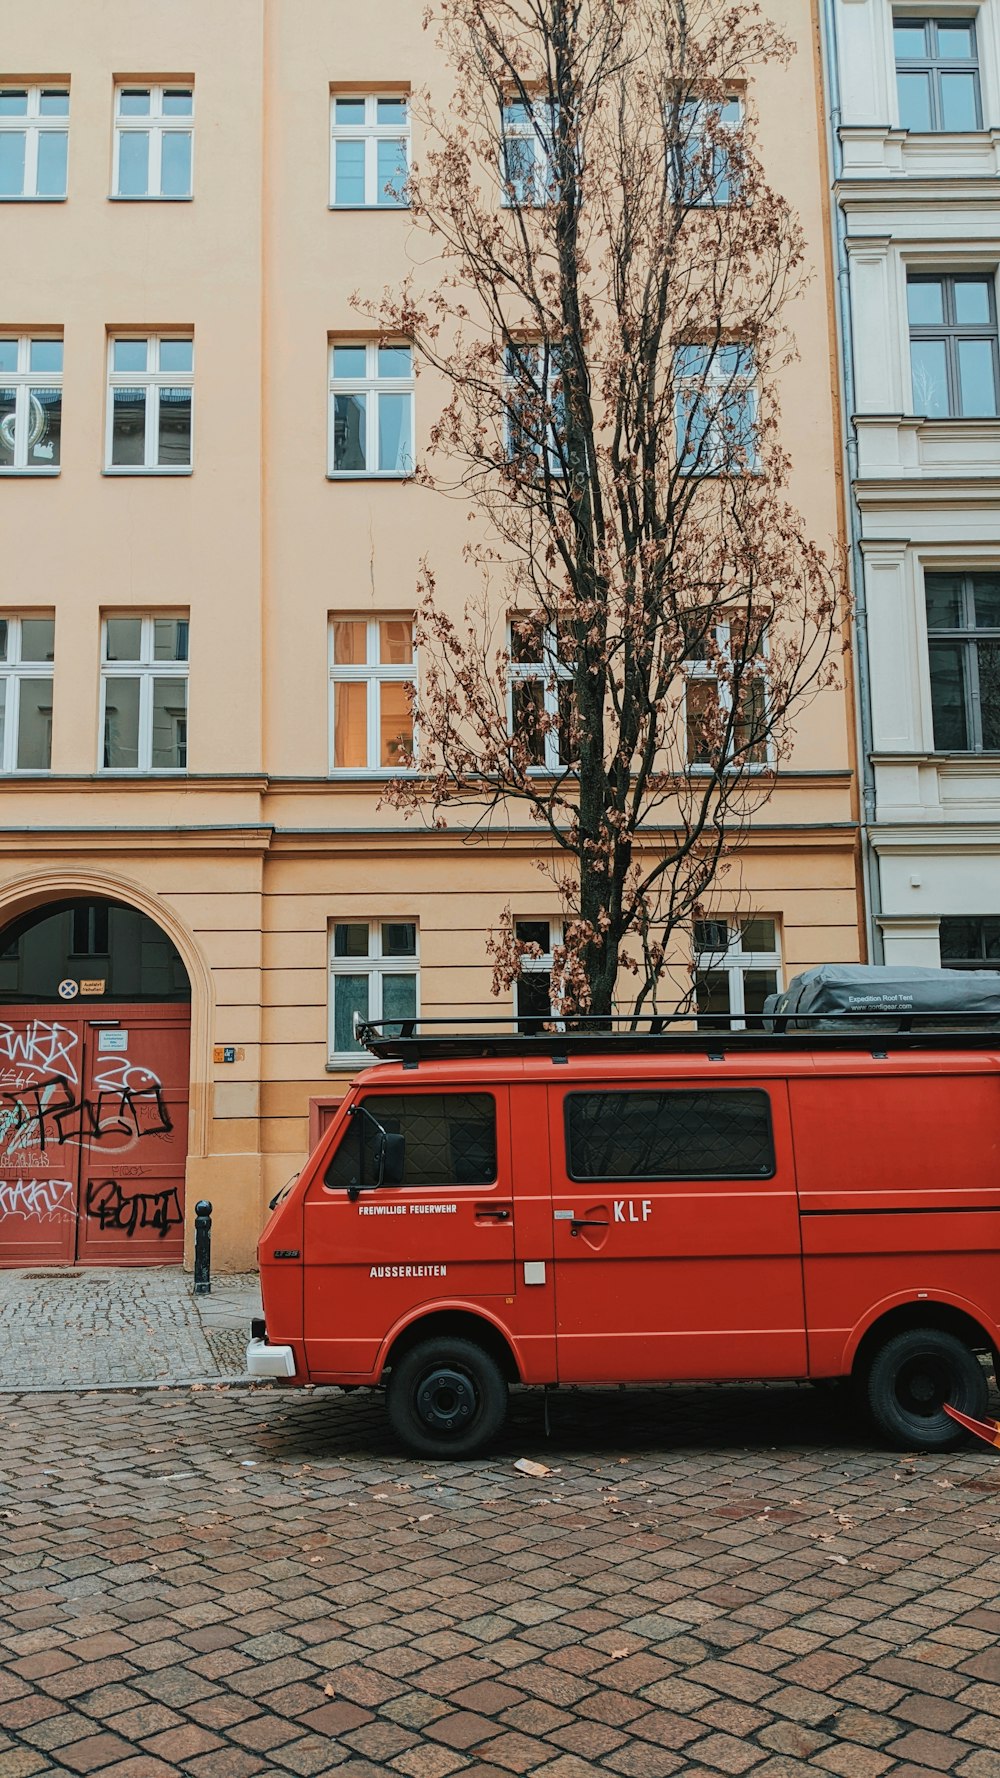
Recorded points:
(923, 1385)
(446, 1400)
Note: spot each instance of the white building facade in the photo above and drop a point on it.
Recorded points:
(914, 98)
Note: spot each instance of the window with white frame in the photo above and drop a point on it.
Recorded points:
(737, 965)
(529, 177)
(533, 989)
(541, 692)
(371, 408)
(937, 72)
(963, 645)
(31, 367)
(716, 408)
(536, 429)
(373, 972)
(371, 670)
(27, 645)
(150, 397)
(33, 141)
(726, 708)
(706, 130)
(153, 141)
(144, 686)
(954, 358)
(370, 151)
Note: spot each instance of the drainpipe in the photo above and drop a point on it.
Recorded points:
(869, 861)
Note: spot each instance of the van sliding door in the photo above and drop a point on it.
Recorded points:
(676, 1229)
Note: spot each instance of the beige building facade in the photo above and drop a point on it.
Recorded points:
(228, 613)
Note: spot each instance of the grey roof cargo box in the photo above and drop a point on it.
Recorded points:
(969, 998)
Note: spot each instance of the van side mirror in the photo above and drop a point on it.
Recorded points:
(390, 1155)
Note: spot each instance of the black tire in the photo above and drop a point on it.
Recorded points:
(446, 1398)
(909, 1379)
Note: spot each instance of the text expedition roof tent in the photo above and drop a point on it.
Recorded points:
(821, 999)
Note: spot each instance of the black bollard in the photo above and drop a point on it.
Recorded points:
(202, 1247)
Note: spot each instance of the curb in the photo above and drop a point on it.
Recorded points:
(144, 1388)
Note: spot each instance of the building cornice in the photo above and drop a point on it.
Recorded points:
(919, 192)
(223, 837)
(776, 836)
(39, 783)
(958, 839)
(959, 493)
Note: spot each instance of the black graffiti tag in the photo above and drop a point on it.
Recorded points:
(109, 1206)
(118, 1112)
(53, 1112)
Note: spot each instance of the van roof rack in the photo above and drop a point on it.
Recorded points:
(418, 1039)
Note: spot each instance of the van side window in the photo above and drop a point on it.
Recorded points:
(651, 1135)
(451, 1139)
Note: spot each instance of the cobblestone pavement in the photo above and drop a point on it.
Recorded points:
(91, 1327)
(229, 1581)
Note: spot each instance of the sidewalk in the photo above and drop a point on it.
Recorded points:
(103, 1327)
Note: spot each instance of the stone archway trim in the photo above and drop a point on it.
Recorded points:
(26, 892)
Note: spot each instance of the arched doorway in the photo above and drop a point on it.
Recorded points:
(95, 1029)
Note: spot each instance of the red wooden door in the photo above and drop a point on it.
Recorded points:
(41, 1068)
(93, 1134)
(134, 1143)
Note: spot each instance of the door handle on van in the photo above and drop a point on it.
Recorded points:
(583, 1222)
(493, 1212)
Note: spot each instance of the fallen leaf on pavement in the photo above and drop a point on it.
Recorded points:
(528, 1467)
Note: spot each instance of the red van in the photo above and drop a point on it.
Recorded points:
(591, 1208)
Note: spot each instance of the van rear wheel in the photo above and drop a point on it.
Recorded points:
(909, 1380)
(446, 1398)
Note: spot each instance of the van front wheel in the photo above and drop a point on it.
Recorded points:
(910, 1379)
(446, 1398)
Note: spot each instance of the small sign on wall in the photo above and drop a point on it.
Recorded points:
(93, 987)
(112, 1040)
(229, 1052)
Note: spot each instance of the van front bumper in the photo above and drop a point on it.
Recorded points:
(270, 1361)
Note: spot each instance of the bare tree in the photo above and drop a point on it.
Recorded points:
(612, 275)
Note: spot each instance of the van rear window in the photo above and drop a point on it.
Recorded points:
(669, 1135)
(451, 1139)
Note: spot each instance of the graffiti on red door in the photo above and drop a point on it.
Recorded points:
(131, 1210)
(41, 1198)
(92, 1144)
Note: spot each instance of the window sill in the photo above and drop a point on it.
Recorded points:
(123, 469)
(8, 471)
(370, 774)
(744, 771)
(39, 198)
(936, 420)
(340, 1064)
(150, 197)
(132, 772)
(977, 135)
(708, 474)
(369, 475)
(378, 209)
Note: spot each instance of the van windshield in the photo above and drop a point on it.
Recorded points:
(451, 1139)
